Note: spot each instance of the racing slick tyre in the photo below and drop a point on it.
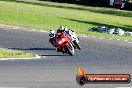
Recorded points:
(70, 50)
(77, 45)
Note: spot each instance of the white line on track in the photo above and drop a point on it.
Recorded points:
(110, 38)
(101, 38)
(125, 40)
(129, 42)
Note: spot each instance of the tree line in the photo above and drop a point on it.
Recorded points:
(100, 3)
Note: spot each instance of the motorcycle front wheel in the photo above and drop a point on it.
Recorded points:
(70, 50)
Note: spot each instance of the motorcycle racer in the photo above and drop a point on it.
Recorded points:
(52, 39)
(64, 31)
(71, 33)
(64, 44)
(61, 29)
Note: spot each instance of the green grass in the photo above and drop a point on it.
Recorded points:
(5, 53)
(49, 15)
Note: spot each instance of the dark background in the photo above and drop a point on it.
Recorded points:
(99, 3)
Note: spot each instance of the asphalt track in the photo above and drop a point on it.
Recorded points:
(58, 70)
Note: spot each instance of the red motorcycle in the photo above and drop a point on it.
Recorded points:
(63, 43)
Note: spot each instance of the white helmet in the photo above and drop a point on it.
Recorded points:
(51, 33)
(61, 29)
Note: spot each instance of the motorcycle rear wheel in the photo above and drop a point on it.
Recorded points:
(77, 45)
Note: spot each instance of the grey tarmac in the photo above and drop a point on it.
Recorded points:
(99, 56)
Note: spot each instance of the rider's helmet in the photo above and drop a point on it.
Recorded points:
(51, 33)
(61, 29)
